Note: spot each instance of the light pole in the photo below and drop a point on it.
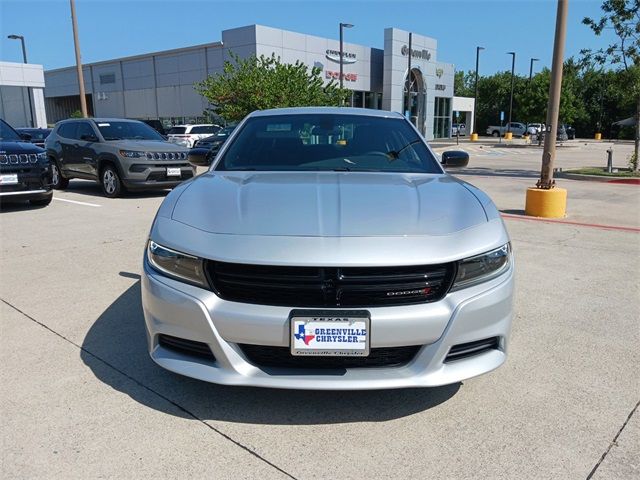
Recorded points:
(342, 27)
(513, 66)
(531, 68)
(24, 59)
(474, 133)
(76, 42)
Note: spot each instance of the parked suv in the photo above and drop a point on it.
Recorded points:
(188, 135)
(25, 173)
(120, 154)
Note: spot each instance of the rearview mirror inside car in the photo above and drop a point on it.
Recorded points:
(454, 159)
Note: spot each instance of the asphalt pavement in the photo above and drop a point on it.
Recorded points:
(80, 397)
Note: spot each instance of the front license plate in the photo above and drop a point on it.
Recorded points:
(9, 179)
(173, 172)
(330, 333)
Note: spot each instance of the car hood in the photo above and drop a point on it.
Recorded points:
(327, 204)
(19, 147)
(148, 145)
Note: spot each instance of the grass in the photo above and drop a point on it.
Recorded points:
(622, 173)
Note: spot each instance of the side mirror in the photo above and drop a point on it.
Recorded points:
(89, 138)
(454, 159)
(199, 157)
(26, 137)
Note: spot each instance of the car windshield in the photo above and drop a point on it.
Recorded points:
(328, 142)
(8, 134)
(127, 131)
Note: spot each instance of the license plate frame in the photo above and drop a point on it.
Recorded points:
(351, 322)
(174, 172)
(9, 179)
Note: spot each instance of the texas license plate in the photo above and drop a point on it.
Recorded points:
(330, 333)
(9, 179)
(173, 172)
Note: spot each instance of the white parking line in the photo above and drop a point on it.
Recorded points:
(74, 201)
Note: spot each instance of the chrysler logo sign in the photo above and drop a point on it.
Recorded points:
(423, 54)
(347, 57)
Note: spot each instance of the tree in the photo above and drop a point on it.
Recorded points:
(258, 83)
(623, 17)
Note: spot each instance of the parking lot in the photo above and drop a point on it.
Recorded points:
(82, 399)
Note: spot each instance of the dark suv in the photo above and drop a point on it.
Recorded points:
(120, 154)
(25, 173)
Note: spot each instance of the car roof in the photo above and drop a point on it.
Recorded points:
(100, 120)
(365, 112)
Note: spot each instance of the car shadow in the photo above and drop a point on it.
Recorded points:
(116, 352)
(93, 189)
(18, 206)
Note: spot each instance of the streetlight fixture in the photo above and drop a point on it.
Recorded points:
(24, 59)
(342, 27)
(474, 133)
(509, 135)
(531, 68)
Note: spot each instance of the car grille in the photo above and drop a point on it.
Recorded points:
(169, 156)
(16, 159)
(182, 345)
(464, 350)
(330, 287)
(280, 357)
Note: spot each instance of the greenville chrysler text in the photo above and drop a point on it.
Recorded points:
(327, 248)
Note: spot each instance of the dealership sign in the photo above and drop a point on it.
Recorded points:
(347, 57)
(349, 77)
(422, 54)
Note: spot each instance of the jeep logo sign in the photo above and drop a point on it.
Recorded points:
(423, 54)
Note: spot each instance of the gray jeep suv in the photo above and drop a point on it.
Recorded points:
(120, 154)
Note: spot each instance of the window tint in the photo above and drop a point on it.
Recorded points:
(176, 130)
(115, 130)
(84, 128)
(67, 130)
(210, 129)
(326, 142)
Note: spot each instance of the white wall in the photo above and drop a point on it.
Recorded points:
(16, 81)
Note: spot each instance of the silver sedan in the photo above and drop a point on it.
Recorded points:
(327, 248)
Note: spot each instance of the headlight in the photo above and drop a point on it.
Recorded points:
(132, 154)
(180, 266)
(482, 268)
(42, 156)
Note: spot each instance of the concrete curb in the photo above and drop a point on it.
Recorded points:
(597, 178)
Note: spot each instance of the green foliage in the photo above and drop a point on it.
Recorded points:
(259, 83)
(76, 114)
(592, 99)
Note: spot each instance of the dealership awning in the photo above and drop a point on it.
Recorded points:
(627, 122)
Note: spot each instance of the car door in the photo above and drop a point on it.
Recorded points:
(86, 138)
(66, 145)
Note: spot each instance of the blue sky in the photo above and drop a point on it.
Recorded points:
(111, 29)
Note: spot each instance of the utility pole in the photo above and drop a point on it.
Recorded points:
(531, 68)
(83, 100)
(513, 67)
(474, 132)
(553, 109)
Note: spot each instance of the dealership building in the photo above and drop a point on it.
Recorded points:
(160, 85)
(22, 95)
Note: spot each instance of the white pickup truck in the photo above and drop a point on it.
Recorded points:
(517, 129)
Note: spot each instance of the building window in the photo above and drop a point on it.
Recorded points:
(442, 117)
(107, 78)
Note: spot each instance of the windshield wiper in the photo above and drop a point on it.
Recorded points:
(395, 154)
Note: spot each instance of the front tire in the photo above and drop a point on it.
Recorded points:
(111, 183)
(495, 134)
(58, 182)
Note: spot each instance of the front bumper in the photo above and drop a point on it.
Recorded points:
(145, 176)
(34, 183)
(188, 312)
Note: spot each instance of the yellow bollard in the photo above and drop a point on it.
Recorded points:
(598, 136)
(474, 137)
(508, 136)
(550, 203)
